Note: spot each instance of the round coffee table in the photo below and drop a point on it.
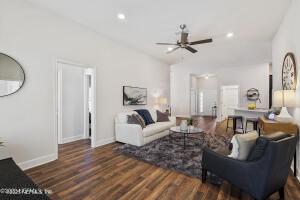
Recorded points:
(185, 133)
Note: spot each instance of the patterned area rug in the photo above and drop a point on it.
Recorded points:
(168, 152)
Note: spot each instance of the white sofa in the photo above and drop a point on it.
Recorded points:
(134, 134)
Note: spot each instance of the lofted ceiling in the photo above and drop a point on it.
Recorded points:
(254, 23)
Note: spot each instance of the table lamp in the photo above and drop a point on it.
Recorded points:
(284, 99)
(163, 101)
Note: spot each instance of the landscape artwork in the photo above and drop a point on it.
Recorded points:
(134, 96)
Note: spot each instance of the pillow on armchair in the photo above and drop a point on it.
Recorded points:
(258, 150)
(246, 143)
(242, 145)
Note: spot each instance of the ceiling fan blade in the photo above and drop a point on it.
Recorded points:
(201, 42)
(173, 50)
(190, 49)
(166, 44)
(184, 36)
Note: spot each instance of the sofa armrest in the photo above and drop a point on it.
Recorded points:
(4, 154)
(129, 134)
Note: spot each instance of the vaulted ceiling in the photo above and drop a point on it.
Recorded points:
(253, 22)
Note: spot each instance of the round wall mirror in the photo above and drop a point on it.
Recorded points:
(12, 75)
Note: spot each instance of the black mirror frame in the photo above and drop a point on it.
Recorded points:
(22, 71)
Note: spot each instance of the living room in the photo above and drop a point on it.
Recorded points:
(237, 43)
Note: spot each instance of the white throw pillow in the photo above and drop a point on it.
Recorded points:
(235, 148)
(153, 114)
(246, 142)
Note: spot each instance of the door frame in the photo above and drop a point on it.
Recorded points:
(58, 101)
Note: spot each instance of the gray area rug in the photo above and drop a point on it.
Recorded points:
(168, 152)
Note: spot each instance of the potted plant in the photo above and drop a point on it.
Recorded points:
(191, 122)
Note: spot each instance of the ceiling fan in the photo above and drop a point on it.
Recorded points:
(183, 43)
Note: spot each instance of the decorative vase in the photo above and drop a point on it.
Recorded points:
(183, 125)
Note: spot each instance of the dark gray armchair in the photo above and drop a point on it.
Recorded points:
(260, 177)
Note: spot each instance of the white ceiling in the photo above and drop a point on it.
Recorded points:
(254, 23)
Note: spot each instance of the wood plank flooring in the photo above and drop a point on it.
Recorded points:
(102, 173)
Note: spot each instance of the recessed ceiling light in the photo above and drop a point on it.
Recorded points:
(230, 35)
(206, 77)
(121, 16)
(170, 48)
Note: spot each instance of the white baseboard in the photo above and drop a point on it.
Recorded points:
(104, 142)
(37, 161)
(72, 139)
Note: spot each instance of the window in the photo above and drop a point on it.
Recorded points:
(201, 101)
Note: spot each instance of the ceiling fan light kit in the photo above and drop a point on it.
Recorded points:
(184, 43)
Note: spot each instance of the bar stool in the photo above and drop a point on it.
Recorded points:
(253, 121)
(235, 119)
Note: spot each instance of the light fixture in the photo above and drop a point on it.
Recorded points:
(121, 16)
(163, 101)
(206, 77)
(284, 99)
(230, 35)
(170, 48)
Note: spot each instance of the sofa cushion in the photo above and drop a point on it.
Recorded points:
(123, 116)
(259, 149)
(155, 128)
(145, 114)
(162, 117)
(246, 143)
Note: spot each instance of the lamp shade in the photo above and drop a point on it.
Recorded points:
(284, 98)
(162, 101)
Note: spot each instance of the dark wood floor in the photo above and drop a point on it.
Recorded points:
(101, 173)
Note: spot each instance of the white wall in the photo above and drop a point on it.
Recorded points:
(207, 84)
(72, 101)
(36, 38)
(287, 40)
(246, 77)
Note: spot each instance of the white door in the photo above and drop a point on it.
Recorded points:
(229, 100)
(209, 100)
(193, 102)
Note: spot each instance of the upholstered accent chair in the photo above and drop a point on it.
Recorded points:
(260, 177)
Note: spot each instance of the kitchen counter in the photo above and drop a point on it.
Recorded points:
(257, 110)
(246, 113)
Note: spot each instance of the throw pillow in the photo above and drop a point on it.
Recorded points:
(246, 143)
(235, 148)
(146, 116)
(141, 120)
(259, 149)
(162, 117)
(135, 119)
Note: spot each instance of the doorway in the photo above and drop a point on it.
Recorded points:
(229, 100)
(75, 104)
(203, 94)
